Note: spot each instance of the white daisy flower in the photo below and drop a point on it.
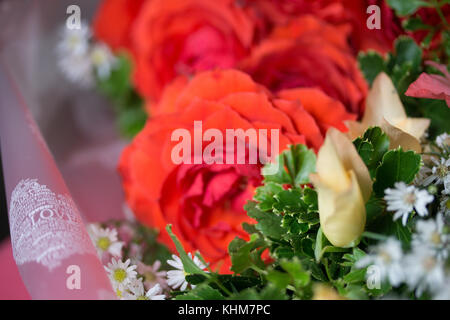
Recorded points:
(424, 173)
(74, 41)
(177, 278)
(102, 59)
(430, 233)
(77, 69)
(439, 172)
(444, 206)
(403, 199)
(136, 291)
(121, 273)
(154, 293)
(443, 293)
(387, 256)
(443, 140)
(446, 185)
(423, 270)
(105, 240)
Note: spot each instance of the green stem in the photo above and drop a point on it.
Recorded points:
(375, 236)
(259, 270)
(325, 263)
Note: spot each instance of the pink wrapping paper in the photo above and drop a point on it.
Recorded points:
(51, 247)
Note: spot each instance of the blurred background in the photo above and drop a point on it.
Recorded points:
(77, 124)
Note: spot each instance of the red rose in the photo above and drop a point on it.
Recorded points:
(337, 12)
(173, 37)
(114, 21)
(309, 53)
(204, 202)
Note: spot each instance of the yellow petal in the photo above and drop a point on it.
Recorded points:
(355, 129)
(324, 292)
(342, 214)
(350, 160)
(414, 126)
(330, 167)
(384, 109)
(383, 102)
(399, 138)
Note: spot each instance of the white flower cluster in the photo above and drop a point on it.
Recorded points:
(125, 280)
(423, 267)
(82, 60)
(137, 281)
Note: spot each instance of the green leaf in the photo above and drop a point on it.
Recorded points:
(269, 223)
(414, 24)
(321, 243)
(300, 277)
(407, 52)
(265, 195)
(358, 275)
(301, 162)
(131, 121)
(202, 292)
(292, 167)
(271, 292)
(289, 201)
(406, 7)
(371, 64)
(188, 264)
(240, 252)
(239, 283)
(279, 279)
(371, 147)
(397, 165)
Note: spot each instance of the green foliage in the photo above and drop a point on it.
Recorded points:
(202, 292)
(188, 264)
(127, 104)
(288, 229)
(404, 66)
(406, 7)
(292, 167)
(371, 147)
(397, 165)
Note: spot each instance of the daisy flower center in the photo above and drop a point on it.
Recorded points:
(429, 263)
(442, 170)
(436, 238)
(410, 198)
(447, 204)
(103, 243)
(386, 257)
(142, 298)
(119, 275)
(98, 57)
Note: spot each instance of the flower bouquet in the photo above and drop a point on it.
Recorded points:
(276, 150)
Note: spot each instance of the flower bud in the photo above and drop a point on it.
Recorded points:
(385, 110)
(343, 185)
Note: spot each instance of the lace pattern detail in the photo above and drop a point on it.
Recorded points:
(45, 227)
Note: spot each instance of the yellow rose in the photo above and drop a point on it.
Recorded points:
(385, 110)
(343, 186)
(324, 292)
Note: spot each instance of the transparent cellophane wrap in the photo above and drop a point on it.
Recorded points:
(60, 149)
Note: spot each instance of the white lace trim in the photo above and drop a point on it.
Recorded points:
(45, 227)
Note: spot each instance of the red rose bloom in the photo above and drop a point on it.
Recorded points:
(204, 202)
(336, 12)
(173, 37)
(114, 21)
(309, 53)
